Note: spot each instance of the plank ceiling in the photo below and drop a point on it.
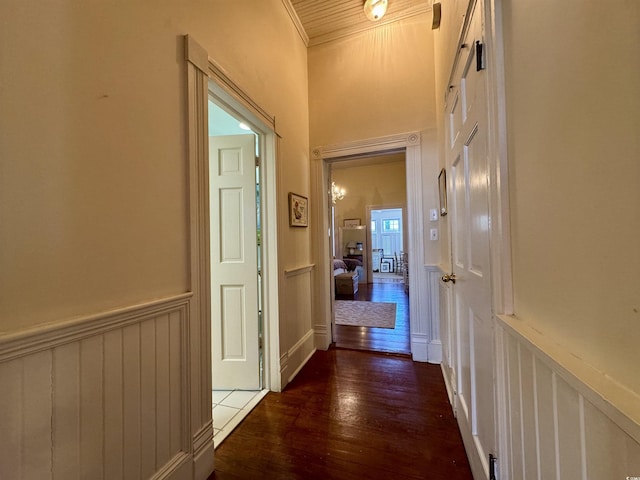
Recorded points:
(321, 21)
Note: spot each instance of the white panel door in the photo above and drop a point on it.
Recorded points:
(469, 209)
(234, 263)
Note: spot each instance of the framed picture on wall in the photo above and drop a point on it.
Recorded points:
(298, 210)
(442, 191)
(351, 222)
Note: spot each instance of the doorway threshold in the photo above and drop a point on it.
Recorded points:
(230, 408)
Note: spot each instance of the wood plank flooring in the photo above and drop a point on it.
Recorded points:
(394, 340)
(350, 415)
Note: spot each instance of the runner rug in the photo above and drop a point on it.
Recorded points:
(366, 314)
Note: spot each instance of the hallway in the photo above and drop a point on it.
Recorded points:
(350, 415)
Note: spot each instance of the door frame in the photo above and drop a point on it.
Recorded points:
(227, 93)
(424, 326)
(204, 76)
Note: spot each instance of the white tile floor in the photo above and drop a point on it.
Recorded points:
(230, 407)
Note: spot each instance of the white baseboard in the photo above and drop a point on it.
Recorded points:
(419, 347)
(203, 452)
(296, 358)
(434, 349)
(322, 336)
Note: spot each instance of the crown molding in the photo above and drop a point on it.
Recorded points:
(296, 21)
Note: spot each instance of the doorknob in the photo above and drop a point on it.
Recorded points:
(449, 278)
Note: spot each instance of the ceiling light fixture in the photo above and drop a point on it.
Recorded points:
(375, 9)
(337, 193)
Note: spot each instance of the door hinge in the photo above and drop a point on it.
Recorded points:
(260, 327)
(493, 463)
(480, 64)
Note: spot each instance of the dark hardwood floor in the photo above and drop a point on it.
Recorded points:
(378, 339)
(350, 415)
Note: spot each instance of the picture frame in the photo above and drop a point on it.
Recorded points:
(298, 210)
(442, 191)
(351, 222)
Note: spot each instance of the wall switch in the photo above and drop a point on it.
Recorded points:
(433, 215)
(433, 234)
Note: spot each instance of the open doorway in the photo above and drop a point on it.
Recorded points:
(388, 256)
(234, 195)
(369, 315)
(235, 199)
(420, 150)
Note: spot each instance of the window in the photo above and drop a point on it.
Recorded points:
(391, 225)
(373, 226)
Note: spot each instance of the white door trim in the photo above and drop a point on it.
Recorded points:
(500, 232)
(200, 70)
(198, 384)
(425, 347)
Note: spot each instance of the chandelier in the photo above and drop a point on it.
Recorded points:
(337, 193)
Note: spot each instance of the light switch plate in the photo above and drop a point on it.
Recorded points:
(433, 234)
(433, 215)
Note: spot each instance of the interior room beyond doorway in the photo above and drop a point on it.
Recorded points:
(369, 185)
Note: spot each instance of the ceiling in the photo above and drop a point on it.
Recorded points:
(320, 21)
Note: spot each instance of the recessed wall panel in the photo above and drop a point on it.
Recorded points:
(476, 154)
(230, 162)
(455, 121)
(459, 209)
(234, 322)
(231, 231)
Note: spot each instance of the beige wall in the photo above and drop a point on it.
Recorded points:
(373, 84)
(93, 171)
(366, 185)
(573, 99)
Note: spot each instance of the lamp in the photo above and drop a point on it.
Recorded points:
(337, 193)
(375, 9)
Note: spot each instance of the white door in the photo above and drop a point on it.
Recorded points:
(469, 210)
(234, 263)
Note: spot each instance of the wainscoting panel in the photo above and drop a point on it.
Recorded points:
(104, 399)
(299, 342)
(553, 427)
(551, 423)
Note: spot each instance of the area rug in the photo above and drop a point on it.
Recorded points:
(387, 278)
(366, 314)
